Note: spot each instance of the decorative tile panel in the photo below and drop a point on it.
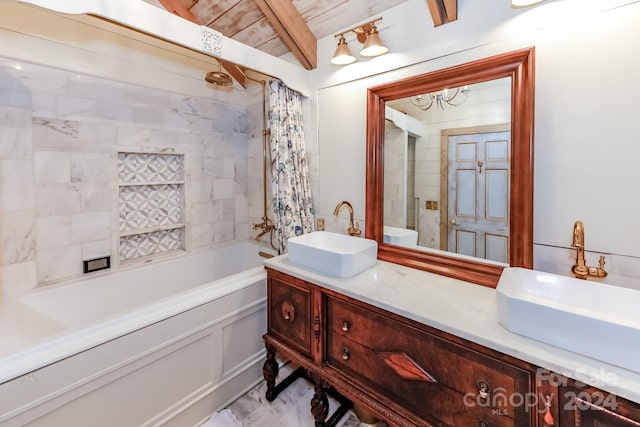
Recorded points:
(139, 245)
(150, 203)
(149, 206)
(146, 168)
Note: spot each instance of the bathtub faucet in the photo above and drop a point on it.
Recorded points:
(580, 269)
(266, 226)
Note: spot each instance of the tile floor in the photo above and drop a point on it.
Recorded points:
(290, 409)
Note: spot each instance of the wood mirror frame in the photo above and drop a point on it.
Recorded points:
(519, 65)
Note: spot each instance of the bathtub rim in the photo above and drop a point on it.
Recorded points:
(58, 345)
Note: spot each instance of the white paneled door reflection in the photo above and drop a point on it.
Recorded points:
(478, 194)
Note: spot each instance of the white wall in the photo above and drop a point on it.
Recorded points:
(587, 54)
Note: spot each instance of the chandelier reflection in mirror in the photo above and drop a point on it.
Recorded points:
(441, 99)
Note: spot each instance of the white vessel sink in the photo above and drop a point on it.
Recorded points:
(594, 319)
(400, 236)
(332, 253)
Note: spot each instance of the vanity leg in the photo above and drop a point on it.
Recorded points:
(270, 373)
(319, 403)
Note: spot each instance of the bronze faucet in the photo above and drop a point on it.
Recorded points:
(580, 269)
(352, 230)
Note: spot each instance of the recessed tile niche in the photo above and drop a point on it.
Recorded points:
(150, 203)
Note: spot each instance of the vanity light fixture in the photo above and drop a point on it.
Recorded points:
(524, 3)
(441, 99)
(367, 34)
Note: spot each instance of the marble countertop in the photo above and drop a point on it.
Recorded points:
(466, 310)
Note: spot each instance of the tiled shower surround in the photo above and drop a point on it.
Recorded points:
(60, 134)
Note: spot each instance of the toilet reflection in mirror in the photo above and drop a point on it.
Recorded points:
(447, 171)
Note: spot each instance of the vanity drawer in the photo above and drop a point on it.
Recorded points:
(289, 312)
(430, 375)
(435, 402)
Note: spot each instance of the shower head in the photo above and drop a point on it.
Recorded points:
(218, 78)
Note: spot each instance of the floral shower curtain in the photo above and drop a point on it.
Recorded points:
(290, 190)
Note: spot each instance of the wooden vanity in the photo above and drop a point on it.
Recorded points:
(409, 373)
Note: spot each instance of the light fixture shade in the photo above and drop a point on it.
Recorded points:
(373, 45)
(343, 55)
(524, 3)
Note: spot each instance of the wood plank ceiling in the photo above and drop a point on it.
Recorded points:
(278, 27)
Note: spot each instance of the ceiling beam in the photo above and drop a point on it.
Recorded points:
(443, 11)
(177, 8)
(292, 29)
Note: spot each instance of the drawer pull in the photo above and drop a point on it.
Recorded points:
(483, 424)
(345, 325)
(288, 311)
(483, 390)
(346, 354)
(548, 417)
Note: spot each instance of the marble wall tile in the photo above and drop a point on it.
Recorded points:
(42, 79)
(16, 185)
(18, 278)
(90, 167)
(96, 249)
(76, 107)
(228, 167)
(55, 135)
(52, 166)
(12, 91)
(132, 136)
(53, 231)
(58, 199)
(188, 143)
(211, 167)
(95, 89)
(201, 190)
(96, 137)
(90, 226)
(116, 112)
(203, 212)
(228, 208)
(43, 104)
(176, 122)
(202, 235)
(200, 125)
(224, 231)
(57, 163)
(139, 96)
(18, 242)
(15, 133)
(195, 169)
(222, 189)
(241, 208)
(95, 196)
(144, 115)
(243, 230)
(59, 263)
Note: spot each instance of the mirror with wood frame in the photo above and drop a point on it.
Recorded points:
(517, 70)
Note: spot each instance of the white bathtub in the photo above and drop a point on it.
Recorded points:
(164, 343)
